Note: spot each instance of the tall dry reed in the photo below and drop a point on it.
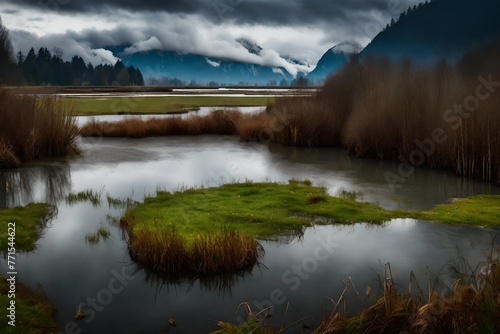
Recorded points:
(423, 115)
(471, 306)
(34, 128)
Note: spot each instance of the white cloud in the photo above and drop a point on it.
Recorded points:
(151, 44)
(106, 56)
(188, 33)
(24, 41)
(212, 63)
(278, 71)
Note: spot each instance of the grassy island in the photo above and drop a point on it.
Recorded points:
(213, 230)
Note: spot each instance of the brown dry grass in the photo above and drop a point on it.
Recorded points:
(467, 308)
(472, 306)
(33, 128)
(221, 122)
(164, 250)
(381, 109)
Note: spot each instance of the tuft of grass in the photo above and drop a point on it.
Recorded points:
(88, 195)
(316, 198)
(253, 324)
(29, 224)
(166, 250)
(352, 195)
(119, 203)
(35, 314)
(95, 238)
(92, 238)
(8, 158)
(34, 128)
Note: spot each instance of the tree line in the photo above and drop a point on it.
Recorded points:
(45, 68)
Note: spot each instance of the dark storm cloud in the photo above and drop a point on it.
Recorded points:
(85, 6)
(301, 29)
(11, 11)
(268, 12)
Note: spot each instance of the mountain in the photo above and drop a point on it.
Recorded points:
(333, 59)
(251, 46)
(438, 29)
(424, 33)
(158, 65)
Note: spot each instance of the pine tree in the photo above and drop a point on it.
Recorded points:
(9, 72)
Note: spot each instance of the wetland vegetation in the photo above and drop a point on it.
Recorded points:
(34, 128)
(34, 313)
(29, 223)
(95, 238)
(442, 116)
(196, 228)
(470, 305)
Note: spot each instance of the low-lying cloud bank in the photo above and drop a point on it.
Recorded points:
(299, 29)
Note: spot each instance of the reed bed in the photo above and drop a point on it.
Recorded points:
(471, 306)
(220, 122)
(163, 249)
(441, 116)
(34, 128)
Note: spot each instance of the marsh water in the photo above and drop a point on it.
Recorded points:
(295, 276)
(202, 111)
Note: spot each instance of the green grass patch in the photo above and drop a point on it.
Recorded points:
(479, 210)
(29, 221)
(164, 230)
(262, 210)
(35, 314)
(129, 105)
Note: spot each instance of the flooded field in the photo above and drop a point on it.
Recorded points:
(294, 277)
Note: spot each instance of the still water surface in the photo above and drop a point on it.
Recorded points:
(203, 111)
(298, 274)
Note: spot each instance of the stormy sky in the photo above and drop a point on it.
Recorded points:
(299, 29)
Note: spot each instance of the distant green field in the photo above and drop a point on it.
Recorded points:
(92, 105)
